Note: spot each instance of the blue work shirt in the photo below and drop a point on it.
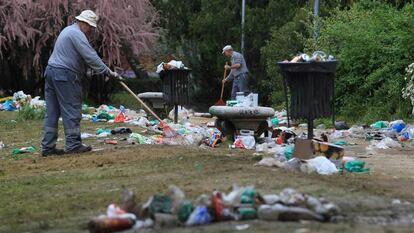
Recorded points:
(237, 58)
(72, 50)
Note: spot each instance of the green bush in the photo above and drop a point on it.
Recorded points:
(28, 113)
(374, 43)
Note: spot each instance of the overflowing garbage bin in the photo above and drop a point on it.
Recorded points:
(175, 84)
(311, 86)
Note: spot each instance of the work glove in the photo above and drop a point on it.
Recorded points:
(113, 74)
(227, 67)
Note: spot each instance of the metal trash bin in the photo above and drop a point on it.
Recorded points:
(312, 89)
(175, 87)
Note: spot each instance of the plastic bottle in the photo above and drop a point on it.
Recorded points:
(100, 225)
(217, 204)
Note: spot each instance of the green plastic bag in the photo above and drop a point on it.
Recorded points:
(160, 204)
(380, 125)
(139, 138)
(275, 122)
(248, 196)
(100, 130)
(356, 166)
(289, 151)
(185, 210)
(106, 116)
(341, 143)
(22, 150)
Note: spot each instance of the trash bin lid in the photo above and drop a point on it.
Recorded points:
(320, 67)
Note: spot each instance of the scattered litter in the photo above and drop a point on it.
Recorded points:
(242, 227)
(241, 203)
(111, 142)
(385, 143)
(22, 150)
(321, 165)
(244, 142)
(356, 166)
(341, 143)
(87, 135)
(380, 125)
(173, 64)
(317, 56)
(1, 145)
(121, 130)
(341, 125)
(15, 152)
(398, 125)
(19, 100)
(140, 139)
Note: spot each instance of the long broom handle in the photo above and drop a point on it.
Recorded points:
(222, 83)
(140, 101)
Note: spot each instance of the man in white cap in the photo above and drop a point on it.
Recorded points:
(63, 91)
(238, 73)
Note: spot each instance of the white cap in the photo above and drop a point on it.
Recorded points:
(88, 17)
(227, 47)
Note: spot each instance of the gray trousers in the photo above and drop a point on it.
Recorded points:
(63, 95)
(240, 84)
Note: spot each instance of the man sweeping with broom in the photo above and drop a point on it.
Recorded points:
(63, 91)
(238, 73)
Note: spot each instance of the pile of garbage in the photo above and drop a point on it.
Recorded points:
(18, 100)
(328, 153)
(173, 64)
(317, 56)
(190, 134)
(173, 209)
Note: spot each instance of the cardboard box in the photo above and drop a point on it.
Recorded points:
(307, 149)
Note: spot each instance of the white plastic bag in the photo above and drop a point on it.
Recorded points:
(385, 143)
(322, 165)
(245, 142)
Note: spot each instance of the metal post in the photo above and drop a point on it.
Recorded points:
(242, 25)
(175, 113)
(286, 99)
(316, 8)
